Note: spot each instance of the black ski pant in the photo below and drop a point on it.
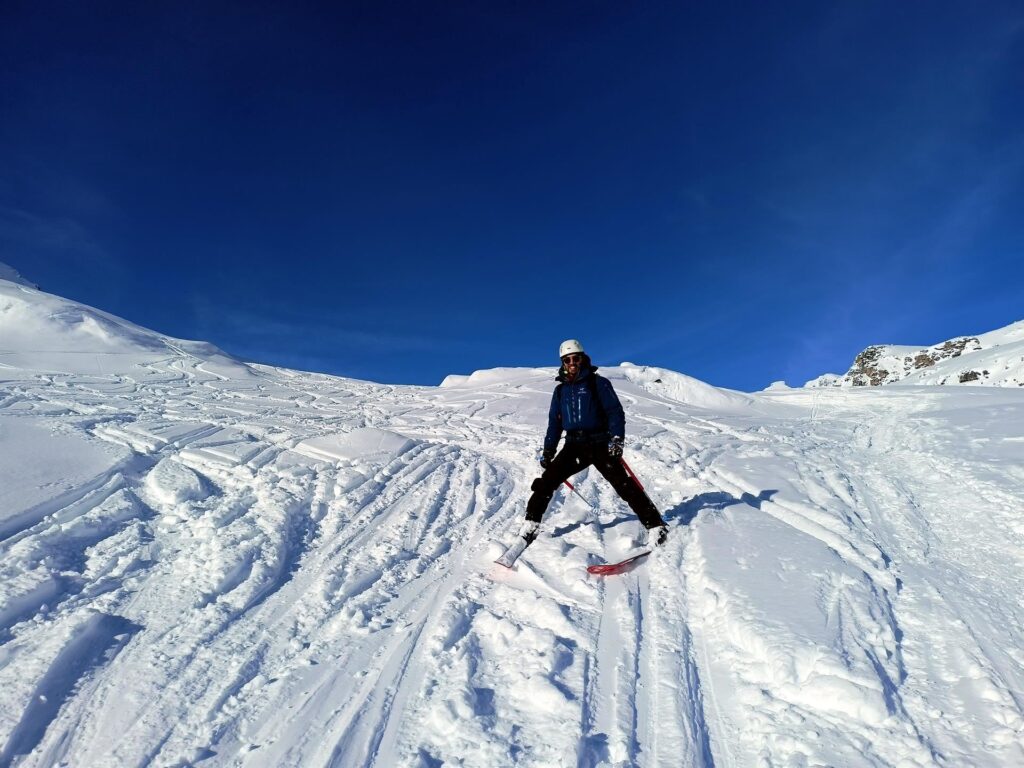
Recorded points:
(575, 457)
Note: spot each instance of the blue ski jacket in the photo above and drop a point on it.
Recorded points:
(583, 417)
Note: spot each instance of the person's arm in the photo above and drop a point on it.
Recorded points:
(554, 433)
(612, 408)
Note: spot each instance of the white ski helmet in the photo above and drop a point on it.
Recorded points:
(569, 346)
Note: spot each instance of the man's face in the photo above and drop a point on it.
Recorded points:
(571, 363)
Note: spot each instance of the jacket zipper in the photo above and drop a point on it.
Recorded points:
(578, 398)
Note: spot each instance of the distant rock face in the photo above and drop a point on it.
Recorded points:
(995, 358)
(878, 365)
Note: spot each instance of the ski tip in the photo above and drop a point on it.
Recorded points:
(610, 569)
(606, 569)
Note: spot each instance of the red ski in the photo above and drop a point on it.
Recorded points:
(610, 569)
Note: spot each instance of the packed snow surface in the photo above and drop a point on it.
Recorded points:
(213, 564)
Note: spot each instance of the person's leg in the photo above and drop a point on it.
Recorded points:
(566, 463)
(615, 473)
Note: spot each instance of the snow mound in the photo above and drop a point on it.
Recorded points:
(43, 332)
(489, 377)
(682, 388)
(170, 482)
(367, 444)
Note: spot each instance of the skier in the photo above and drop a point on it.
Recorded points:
(585, 406)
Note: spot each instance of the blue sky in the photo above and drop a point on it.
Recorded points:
(743, 192)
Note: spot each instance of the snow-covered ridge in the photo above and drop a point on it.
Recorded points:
(11, 275)
(993, 359)
(682, 388)
(251, 566)
(43, 332)
(661, 383)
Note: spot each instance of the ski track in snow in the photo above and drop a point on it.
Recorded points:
(295, 570)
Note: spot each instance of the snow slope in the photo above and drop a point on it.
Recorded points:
(249, 566)
(995, 358)
(10, 274)
(42, 332)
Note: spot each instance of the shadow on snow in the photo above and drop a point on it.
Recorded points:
(684, 513)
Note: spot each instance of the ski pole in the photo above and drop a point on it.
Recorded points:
(573, 489)
(632, 474)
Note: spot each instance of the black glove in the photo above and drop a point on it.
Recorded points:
(615, 447)
(546, 456)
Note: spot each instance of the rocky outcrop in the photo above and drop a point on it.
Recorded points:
(882, 364)
(995, 358)
(866, 370)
